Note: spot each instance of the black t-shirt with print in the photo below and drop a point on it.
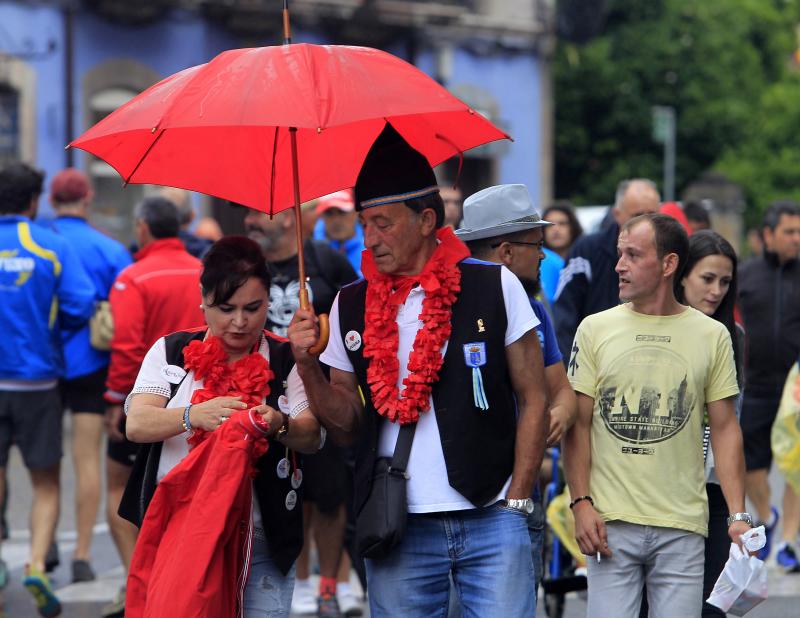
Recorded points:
(327, 270)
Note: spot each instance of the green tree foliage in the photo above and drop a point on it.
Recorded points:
(766, 162)
(718, 63)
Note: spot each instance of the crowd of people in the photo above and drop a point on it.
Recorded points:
(466, 339)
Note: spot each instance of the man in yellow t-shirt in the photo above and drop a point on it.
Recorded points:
(644, 371)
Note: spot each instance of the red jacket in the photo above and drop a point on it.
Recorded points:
(157, 295)
(193, 550)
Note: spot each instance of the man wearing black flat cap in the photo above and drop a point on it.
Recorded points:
(435, 340)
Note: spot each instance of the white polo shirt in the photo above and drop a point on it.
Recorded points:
(428, 488)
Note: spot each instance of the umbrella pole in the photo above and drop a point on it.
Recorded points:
(324, 327)
(324, 330)
(298, 221)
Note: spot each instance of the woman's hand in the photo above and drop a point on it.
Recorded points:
(271, 416)
(212, 413)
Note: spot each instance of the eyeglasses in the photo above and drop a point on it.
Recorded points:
(539, 245)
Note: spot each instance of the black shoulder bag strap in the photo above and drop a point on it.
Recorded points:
(143, 480)
(402, 450)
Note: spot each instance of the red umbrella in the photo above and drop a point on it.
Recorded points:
(233, 127)
(222, 128)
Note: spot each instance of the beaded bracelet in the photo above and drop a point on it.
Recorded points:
(187, 425)
(578, 499)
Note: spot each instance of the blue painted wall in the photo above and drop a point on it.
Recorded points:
(187, 39)
(513, 81)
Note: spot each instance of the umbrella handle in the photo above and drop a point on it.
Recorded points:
(324, 333)
(324, 324)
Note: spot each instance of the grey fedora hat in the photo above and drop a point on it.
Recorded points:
(499, 210)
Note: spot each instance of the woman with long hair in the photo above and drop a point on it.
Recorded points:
(225, 403)
(558, 238)
(709, 285)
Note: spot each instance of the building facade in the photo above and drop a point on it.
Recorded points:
(65, 64)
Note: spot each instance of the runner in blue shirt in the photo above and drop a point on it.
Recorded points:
(86, 366)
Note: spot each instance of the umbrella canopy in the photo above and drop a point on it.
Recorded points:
(222, 128)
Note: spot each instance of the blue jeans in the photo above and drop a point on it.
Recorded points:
(536, 532)
(487, 551)
(269, 592)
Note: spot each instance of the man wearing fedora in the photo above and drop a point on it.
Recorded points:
(438, 341)
(501, 225)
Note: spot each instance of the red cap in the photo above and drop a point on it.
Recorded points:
(69, 185)
(343, 200)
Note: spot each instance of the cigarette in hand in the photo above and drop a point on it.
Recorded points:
(598, 556)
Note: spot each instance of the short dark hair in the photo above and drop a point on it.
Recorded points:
(19, 184)
(161, 216)
(695, 211)
(433, 201)
(228, 264)
(670, 237)
(702, 244)
(565, 207)
(774, 212)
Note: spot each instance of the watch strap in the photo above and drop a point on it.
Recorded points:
(745, 517)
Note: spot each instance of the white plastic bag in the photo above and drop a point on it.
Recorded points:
(742, 584)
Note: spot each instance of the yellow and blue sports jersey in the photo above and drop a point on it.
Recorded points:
(102, 258)
(44, 289)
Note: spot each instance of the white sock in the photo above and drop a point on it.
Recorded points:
(302, 583)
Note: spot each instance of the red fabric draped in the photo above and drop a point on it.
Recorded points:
(191, 554)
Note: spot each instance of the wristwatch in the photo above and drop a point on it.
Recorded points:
(745, 517)
(523, 505)
(281, 433)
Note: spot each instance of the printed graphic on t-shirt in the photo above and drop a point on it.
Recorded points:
(645, 397)
(283, 302)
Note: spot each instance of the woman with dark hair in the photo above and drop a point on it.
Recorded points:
(709, 285)
(230, 410)
(558, 238)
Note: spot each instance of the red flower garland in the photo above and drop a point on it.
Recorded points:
(248, 377)
(441, 280)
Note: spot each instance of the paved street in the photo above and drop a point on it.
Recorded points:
(85, 600)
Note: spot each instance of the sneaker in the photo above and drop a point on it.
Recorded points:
(328, 606)
(82, 571)
(51, 560)
(787, 559)
(304, 599)
(763, 553)
(39, 586)
(115, 609)
(349, 604)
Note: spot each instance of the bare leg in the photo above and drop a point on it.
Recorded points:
(44, 512)
(343, 576)
(303, 570)
(329, 536)
(791, 514)
(123, 532)
(757, 488)
(87, 436)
